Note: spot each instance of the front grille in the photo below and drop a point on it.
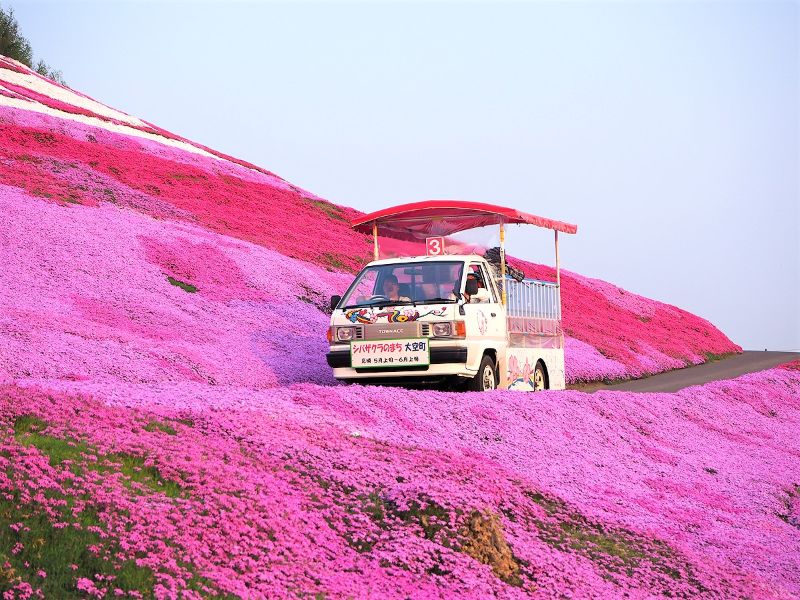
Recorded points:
(387, 331)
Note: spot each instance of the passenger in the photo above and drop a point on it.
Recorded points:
(391, 289)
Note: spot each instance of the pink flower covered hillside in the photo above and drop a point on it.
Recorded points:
(108, 294)
(357, 492)
(614, 334)
(170, 428)
(70, 150)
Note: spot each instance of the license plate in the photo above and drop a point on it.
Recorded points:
(408, 352)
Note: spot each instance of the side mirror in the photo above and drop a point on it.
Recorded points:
(472, 287)
(335, 301)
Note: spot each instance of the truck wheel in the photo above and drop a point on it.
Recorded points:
(539, 378)
(486, 379)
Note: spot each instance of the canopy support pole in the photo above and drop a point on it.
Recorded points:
(375, 240)
(503, 262)
(558, 264)
(558, 277)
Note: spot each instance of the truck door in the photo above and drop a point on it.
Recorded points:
(485, 320)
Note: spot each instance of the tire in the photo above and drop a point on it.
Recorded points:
(486, 379)
(539, 378)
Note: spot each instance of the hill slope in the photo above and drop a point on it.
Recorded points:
(67, 150)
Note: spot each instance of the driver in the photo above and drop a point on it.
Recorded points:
(467, 298)
(391, 289)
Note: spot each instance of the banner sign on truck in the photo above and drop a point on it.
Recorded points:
(398, 352)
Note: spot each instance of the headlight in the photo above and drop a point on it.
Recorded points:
(442, 329)
(345, 334)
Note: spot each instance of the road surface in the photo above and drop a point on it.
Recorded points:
(726, 368)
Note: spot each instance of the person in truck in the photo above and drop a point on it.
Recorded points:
(391, 289)
(473, 276)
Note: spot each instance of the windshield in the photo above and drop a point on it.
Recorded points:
(406, 283)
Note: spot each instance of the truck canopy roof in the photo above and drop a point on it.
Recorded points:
(419, 220)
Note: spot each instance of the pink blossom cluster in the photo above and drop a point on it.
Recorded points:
(371, 492)
(87, 294)
(643, 336)
(583, 362)
(63, 163)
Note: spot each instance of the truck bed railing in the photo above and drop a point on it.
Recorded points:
(534, 307)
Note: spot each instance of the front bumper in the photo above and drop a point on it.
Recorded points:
(445, 361)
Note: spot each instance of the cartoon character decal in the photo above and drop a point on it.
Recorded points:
(483, 322)
(403, 315)
(520, 375)
(361, 315)
(398, 316)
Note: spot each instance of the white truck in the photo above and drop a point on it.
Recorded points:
(456, 320)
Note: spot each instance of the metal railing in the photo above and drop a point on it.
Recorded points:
(534, 307)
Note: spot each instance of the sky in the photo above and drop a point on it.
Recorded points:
(668, 132)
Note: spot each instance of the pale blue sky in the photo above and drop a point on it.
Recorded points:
(667, 131)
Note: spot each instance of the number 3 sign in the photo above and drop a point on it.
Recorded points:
(434, 246)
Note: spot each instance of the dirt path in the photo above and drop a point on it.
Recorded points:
(727, 368)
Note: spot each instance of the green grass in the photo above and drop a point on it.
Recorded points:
(792, 496)
(711, 357)
(53, 550)
(571, 531)
(187, 287)
(28, 432)
(162, 427)
(333, 211)
(109, 195)
(333, 261)
(135, 471)
(614, 549)
(432, 519)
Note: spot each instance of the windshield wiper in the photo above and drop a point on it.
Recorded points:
(382, 304)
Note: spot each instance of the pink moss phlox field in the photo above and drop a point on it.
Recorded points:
(162, 322)
(51, 163)
(104, 306)
(95, 293)
(643, 335)
(67, 161)
(585, 363)
(324, 489)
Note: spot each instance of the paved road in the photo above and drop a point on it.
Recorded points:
(727, 368)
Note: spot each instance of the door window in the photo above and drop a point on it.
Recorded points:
(483, 280)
